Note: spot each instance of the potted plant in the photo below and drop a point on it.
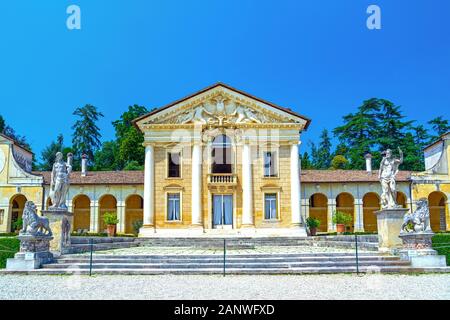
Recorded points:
(110, 219)
(312, 224)
(137, 225)
(341, 219)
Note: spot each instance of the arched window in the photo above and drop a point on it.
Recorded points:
(222, 155)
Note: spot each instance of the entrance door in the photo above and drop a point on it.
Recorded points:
(222, 211)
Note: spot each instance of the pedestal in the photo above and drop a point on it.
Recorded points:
(60, 223)
(34, 251)
(417, 248)
(389, 223)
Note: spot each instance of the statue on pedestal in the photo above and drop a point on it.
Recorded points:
(33, 224)
(388, 170)
(59, 182)
(419, 220)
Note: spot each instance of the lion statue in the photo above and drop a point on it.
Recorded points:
(419, 219)
(34, 224)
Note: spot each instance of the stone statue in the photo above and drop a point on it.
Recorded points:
(244, 115)
(32, 223)
(388, 170)
(419, 219)
(196, 115)
(59, 183)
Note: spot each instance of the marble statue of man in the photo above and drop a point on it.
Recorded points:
(59, 183)
(388, 170)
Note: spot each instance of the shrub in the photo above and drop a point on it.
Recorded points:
(441, 243)
(340, 217)
(137, 224)
(110, 218)
(8, 248)
(17, 225)
(312, 222)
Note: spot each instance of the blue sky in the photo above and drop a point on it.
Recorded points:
(316, 57)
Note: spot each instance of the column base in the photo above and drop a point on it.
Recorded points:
(146, 231)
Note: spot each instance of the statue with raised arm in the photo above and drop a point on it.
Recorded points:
(59, 182)
(388, 170)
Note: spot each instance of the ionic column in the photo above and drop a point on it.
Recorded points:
(197, 184)
(149, 191)
(295, 185)
(247, 189)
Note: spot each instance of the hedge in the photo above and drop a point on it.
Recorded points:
(441, 243)
(8, 247)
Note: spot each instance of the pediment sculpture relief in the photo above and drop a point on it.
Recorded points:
(219, 111)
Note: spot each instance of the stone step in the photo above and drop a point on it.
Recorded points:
(220, 259)
(245, 265)
(231, 271)
(86, 240)
(80, 248)
(246, 255)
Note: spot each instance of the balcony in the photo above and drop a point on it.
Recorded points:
(222, 179)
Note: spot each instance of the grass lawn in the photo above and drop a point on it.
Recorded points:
(8, 247)
(441, 243)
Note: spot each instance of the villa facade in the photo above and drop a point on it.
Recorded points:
(221, 161)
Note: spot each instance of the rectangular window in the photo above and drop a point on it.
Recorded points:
(173, 207)
(270, 206)
(270, 169)
(2, 215)
(174, 164)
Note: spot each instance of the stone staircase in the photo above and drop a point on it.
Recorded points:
(263, 263)
(366, 242)
(82, 244)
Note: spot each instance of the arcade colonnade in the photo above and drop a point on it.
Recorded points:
(90, 203)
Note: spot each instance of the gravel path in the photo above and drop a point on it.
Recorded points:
(337, 286)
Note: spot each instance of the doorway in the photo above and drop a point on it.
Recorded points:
(222, 211)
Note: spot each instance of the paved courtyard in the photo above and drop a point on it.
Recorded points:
(337, 286)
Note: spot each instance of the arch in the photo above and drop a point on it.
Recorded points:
(106, 203)
(345, 202)
(318, 209)
(222, 154)
(16, 206)
(437, 202)
(371, 203)
(134, 211)
(401, 199)
(81, 212)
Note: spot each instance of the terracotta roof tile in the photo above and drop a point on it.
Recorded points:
(137, 177)
(100, 177)
(346, 176)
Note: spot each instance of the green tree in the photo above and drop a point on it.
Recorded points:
(305, 161)
(323, 159)
(49, 153)
(440, 126)
(106, 157)
(126, 151)
(391, 126)
(339, 162)
(359, 132)
(2, 124)
(86, 134)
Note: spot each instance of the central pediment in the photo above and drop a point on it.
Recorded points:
(221, 105)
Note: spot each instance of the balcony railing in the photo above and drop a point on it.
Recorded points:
(222, 179)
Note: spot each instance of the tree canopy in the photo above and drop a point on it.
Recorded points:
(378, 124)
